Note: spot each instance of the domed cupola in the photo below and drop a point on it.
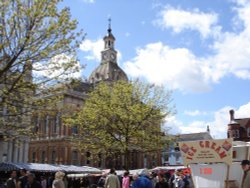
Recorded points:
(108, 70)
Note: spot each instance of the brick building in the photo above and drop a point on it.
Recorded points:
(238, 128)
(53, 144)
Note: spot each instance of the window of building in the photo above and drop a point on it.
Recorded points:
(145, 161)
(43, 126)
(88, 155)
(248, 131)
(229, 134)
(43, 157)
(74, 130)
(33, 157)
(53, 157)
(236, 133)
(74, 157)
(99, 160)
(234, 154)
(53, 124)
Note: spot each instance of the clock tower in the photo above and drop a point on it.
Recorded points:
(109, 53)
(108, 70)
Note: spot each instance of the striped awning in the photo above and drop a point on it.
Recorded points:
(38, 167)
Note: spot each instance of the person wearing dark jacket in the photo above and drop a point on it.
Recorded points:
(32, 183)
(22, 182)
(11, 182)
(143, 181)
(161, 183)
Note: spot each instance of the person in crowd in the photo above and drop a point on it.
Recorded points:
(126, 180)
(12, 181)
(143, 180)
(134, 178)
(43, 182)
(50, 181)
(181, 182)
(84, 182)
(186, 180)
(112, 181)
(161, 182)
(245, 164)
(23, 179)
(153, 178)
(101, 181)
(58, 182)
(66, 182)
(32, 183)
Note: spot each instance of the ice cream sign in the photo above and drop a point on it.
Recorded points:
(207, 151)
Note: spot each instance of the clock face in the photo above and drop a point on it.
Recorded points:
(113, 56)
(105, 56)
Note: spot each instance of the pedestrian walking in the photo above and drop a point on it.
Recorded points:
(112, 181)
(58, 182)
(126, 180)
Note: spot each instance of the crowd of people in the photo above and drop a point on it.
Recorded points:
(29, 180)
(145, 180)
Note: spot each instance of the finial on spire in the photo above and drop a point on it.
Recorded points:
(109, 28)
(208, 129)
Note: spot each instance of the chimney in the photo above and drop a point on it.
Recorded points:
(231, 112)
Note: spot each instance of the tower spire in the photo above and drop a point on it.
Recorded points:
(109, 26)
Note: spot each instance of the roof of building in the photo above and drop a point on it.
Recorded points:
(242, 121)
(194, 136)
(107, 71)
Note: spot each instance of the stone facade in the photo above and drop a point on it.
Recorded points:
(14, 146)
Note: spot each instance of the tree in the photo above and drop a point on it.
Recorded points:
(38, 44)
(121, 117)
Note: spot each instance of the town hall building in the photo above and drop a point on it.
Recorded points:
(53, 145)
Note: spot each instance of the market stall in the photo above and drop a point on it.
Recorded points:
(210, 162)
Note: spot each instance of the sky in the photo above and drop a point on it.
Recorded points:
(198, 49)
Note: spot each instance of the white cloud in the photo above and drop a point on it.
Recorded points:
(55, 68)
(177, 68)
(88, 1)
(93, 49)
(218, 124)
(179, 20)
(180, 68)
(243, 111)
(195, 113)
